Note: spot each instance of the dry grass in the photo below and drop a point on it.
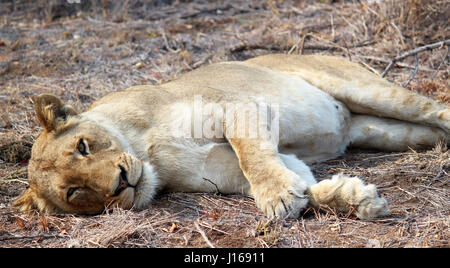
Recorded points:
(82, 53)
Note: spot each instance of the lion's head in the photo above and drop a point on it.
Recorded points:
(77, 166)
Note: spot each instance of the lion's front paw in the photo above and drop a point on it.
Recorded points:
(284, 199)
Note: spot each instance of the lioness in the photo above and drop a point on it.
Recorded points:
(131, 144)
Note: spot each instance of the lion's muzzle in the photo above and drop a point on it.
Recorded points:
(123, 181)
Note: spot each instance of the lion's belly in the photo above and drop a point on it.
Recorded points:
(314, 130)
(313, 125)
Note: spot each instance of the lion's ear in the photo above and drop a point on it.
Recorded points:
(30, 200)
(51, 111)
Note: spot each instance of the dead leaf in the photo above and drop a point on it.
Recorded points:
(44, 222)
(173, 227)
(20, 222)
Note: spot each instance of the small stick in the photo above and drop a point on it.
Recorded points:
(212, 228)
(215, 185)
(200, 62)
(348, 50)
(166, 42)
(416, 64)
(439, 67)
(252, 47)
(274, 10)
(368, 67)
(414, 52)
(403, 65)
(246, 45)
(30, 237)
(202, 233)
(302, 44)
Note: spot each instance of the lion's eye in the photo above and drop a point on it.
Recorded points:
(82, 147)
(71, 191)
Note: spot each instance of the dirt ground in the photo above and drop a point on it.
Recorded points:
(80, 52)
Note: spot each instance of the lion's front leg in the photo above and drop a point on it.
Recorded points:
(349, 194)
(277, 190)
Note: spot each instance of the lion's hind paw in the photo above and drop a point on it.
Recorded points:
(349, 194)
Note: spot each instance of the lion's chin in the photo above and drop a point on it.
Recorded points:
(146, 187)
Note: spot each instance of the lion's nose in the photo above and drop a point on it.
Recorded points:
(123, 181)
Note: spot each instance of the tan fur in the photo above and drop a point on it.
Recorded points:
(325, 104)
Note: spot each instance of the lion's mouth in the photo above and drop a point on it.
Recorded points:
(123, 183)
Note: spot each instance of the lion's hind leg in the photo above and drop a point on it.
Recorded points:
(392, 135)
(348, 195)
(366, 93)
(360, 90)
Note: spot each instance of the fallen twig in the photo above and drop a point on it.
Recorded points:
(401, 64)
(414, 52)
(3, 238)
(200, 62)
(215, 185)
(272, 7)
(244, 46)
(251, 47)
(166, 42)
(213, 10)
(411, 77)
(202, 233)
(439, 67)
(215, 229)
